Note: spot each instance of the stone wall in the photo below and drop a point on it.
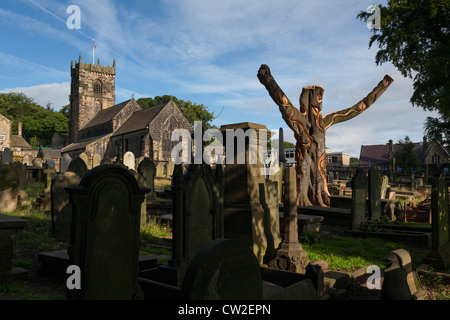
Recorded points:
(5, 132)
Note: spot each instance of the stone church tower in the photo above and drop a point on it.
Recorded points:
(92, 90)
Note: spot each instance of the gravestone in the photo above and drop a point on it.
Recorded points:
(160, 166)
(401, 281)
(85, 158)
(7, 156)
(359, 188)
(9, 184)
(384, 186)
(21, 172)
(129, 160)
(37, 162)
(374, 193)
(96, 160)
(141, 182)
(64, 162)
(61, 208)
(439, 257)
(197, 215)
(26, 160)
(224, 269)
(244, 217)
(147, 169)
(78, 165)
(105, 237)
(269, 201)
(290, 256)
(169, 168)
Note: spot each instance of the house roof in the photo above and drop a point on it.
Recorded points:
(19, 142)
(140, 119)
(106, 115)
(379, 154)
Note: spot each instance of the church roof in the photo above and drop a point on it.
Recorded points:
(106, 115)
(79, 145)
(140, 119)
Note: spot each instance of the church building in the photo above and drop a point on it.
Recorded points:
(97, 125)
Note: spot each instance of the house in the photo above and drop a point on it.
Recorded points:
(429, 153)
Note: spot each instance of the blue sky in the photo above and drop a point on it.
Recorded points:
(209, 52)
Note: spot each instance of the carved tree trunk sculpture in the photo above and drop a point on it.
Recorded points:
(309, 128)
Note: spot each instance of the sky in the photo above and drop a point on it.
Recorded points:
(209, 52)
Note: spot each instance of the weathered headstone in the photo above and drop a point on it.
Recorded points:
(9, 184)
(359, 189)
(78, 165)
(105, 233)
(374, 193)
(37, 162)
(147, 169)
(160, 169)
(224, 269)
(106, 160)
(197, 214)
(290, 256)
(270, 204)
(439, 257)
(169, 168)
(401, 281)
(85, 158)
(61, 208)
(7, 156)
(26, 160)
(96, 160)
(243, 212)
(384, 186)
(129, 160)
(64, 162)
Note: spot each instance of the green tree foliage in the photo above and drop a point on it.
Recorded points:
(405, 157)
(415, 37)
(192, 111)
(354, 161)
(37, 121)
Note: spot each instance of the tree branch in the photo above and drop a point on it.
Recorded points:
(360, 107)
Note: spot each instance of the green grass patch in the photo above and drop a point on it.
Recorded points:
(154, 230)
(350, 254)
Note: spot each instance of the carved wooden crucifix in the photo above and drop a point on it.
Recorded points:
(309, 128)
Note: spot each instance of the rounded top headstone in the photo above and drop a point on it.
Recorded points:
(224, 269)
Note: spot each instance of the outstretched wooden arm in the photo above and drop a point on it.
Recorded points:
(290, 114)
(361, 106)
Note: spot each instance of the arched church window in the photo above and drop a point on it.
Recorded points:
(97, 88)
(168, 127)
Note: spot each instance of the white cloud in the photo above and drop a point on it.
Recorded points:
(56, 93)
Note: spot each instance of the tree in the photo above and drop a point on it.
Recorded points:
(354, 161)
(192, 111)
(309, 128)
(38, 122)
(405, 157)
(415, 37)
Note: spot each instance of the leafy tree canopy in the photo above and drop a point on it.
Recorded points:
(415, 37)
(192, 111)
(39, 123)
(405, 157)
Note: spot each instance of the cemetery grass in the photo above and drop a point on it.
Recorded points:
(341, 252)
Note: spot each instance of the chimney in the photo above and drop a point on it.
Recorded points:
(19, 129)
(391, 147)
